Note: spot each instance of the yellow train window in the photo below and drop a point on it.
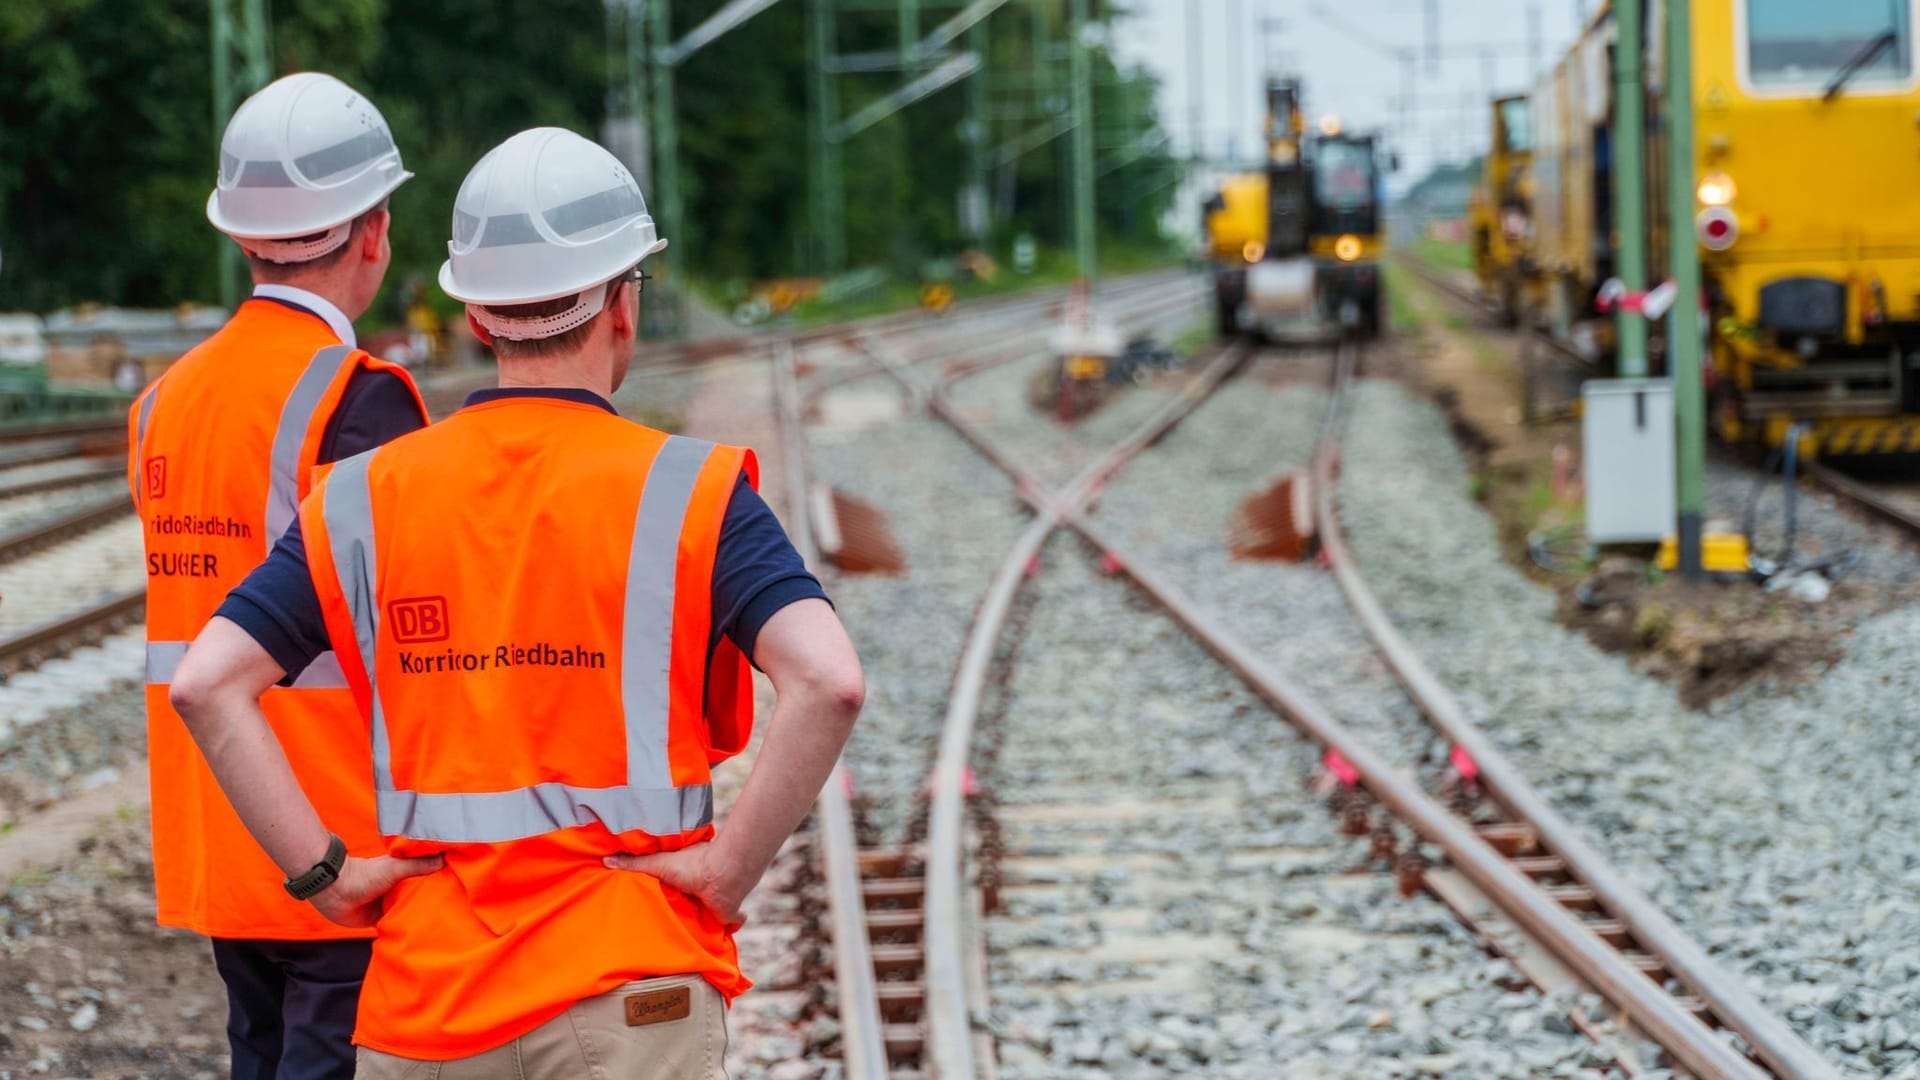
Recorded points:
(1794, 43)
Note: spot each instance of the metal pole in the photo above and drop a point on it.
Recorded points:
(1082, 71)
(822, 113)
(909, 35)
(1433, 37)
(1683, 320)
(1630, 181)
(1533, 41)
(1235, 90)
(979, 128)
(637, 88)
(1196, 141)
(249, 41)
(666, 157)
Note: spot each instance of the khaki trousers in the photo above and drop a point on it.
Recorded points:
(669, 1028)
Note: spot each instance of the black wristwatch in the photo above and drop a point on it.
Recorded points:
(324, 873)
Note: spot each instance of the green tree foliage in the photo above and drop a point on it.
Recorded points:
(107, 140)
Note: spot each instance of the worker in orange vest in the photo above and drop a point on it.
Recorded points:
(221, 451)
(547, 615)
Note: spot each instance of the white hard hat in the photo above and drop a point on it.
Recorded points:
(545, 214)
(307, 154)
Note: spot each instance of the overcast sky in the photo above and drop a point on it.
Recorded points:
(1346, 51)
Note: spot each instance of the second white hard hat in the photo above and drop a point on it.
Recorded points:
(305, 155)
(545, 214)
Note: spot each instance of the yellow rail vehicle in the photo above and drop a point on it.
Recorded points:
(1344, 230)
(1807, 157)
(1501, 211)
(1236, 230)
(1296, 248)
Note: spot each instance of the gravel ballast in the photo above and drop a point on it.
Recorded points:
(22, 511)
(1773, 828)
(954, 517)
(1177, 903)
(1173, 506)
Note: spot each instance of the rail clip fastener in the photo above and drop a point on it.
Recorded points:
(969, 784)
(1463, 763)
(1033, 567)
(1341, 768)
(1110, 563)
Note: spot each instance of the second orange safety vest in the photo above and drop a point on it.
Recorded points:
(221, 451)
(521, 596)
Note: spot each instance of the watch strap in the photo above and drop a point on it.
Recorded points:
(322, 874)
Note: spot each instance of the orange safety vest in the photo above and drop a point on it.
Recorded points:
(521, 597)
(220, 452)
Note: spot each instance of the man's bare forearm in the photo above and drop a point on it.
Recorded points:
(805, 735)
(217, 692)
(816, 673)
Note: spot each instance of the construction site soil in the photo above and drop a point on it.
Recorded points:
(93, 987)
(1513, 417)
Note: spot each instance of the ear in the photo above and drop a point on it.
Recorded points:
(478, 330)
(373, 235)
(626, 315)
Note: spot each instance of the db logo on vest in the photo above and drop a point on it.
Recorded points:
(420, 618)
(156, 477)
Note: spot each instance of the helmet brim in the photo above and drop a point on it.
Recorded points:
(244, 232)
(466, 296)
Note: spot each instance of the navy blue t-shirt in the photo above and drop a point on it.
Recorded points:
(756, 572)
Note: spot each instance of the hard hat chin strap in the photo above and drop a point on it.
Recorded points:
(586, 305)
(301, 249)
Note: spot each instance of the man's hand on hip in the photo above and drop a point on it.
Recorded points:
(695, 871)
(355, 898)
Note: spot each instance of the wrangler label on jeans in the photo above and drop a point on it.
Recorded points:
(659, 1006)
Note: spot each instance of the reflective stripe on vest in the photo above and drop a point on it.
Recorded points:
(140, 438)
(163, 659)
(648, 801)
(283, 503)
(283, 479)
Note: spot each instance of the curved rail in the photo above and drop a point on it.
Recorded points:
(949, 1025)
(1671, 1026)
(1524, 900)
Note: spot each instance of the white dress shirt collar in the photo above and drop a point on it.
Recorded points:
(319, 305)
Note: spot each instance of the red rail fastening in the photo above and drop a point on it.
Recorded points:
(1033, 566)
(846, 783)
(1110, 563)
(1463, 763)
(969, 784)
(1341, 768)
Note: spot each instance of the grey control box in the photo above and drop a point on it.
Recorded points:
(1626, 444)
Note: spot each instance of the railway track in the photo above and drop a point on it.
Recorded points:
(45, 443)
(47, 531)
(91, 428)
(1892, 503)
(57, 476)
(81, 626)
(1523, 862)
(1596, 904)
(876, 894)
